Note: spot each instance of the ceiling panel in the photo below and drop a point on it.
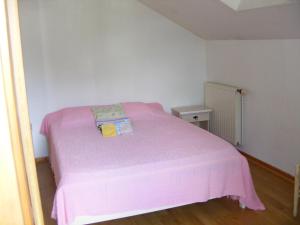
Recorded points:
(213, 20)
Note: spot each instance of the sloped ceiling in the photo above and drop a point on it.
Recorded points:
(214, 20)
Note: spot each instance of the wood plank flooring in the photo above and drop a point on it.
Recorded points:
(276, 193)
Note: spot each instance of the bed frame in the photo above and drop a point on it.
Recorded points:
(81, 220)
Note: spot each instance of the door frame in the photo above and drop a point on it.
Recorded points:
(18, 141)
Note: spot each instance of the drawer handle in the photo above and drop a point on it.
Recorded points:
(195, 117)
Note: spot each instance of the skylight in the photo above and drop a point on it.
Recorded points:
(239, 5)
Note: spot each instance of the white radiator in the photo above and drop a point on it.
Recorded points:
(226, 118)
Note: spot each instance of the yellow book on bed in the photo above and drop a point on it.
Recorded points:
(109, 130)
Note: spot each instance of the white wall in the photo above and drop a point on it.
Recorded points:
(80, 52)
(270, 72)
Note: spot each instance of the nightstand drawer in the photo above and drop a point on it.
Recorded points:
(196, 114)
(196, 117)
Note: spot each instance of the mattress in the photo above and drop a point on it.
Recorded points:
(164, 162)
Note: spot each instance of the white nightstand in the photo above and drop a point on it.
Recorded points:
(194, 114)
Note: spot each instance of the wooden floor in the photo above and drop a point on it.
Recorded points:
(276, 194)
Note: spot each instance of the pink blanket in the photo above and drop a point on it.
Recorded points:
(165, 161)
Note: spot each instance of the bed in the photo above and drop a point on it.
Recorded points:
(166, 162)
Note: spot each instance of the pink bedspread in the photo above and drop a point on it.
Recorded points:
(165, 161)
